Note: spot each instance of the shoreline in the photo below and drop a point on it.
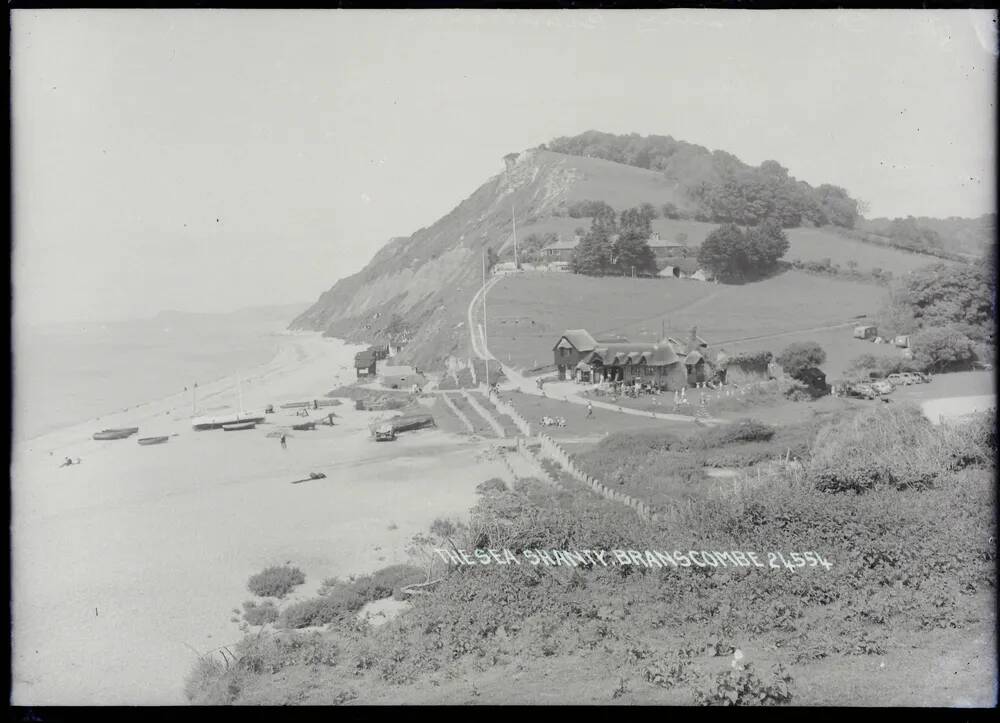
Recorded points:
(124, 565)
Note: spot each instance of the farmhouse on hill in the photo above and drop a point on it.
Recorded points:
(561, 249)
(661, 247)
(590, 359)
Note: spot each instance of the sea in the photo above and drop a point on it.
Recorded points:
(69, 373)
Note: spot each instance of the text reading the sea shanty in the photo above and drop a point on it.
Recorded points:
(637, 558)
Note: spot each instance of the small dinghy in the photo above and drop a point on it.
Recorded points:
(304, 426)
(238, 426)
(152, 440)
(113, 434)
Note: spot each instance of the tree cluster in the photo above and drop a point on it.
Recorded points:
(722, 188)
(949, 309)
(617, 245)
(799, 357)
(735, 254)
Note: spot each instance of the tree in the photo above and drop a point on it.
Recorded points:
(765, 244)
(491, 259)
(636, 221)
(632, 253)
(942, 349)
(649, 210)
(733, 254)
(670, 210)
(947, 295)
(722, 252)
(800, 356)
(592, 256)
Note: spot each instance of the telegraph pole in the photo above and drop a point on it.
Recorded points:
(513, 219)
(485, 352)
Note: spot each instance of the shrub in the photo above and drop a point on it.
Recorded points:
(881, 446)
(742, 430)
(494, 484)
(742, 686)
(260, 614)
(800, 356)
(275, 581)
(339, 599)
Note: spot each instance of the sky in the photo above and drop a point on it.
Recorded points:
(209, 160)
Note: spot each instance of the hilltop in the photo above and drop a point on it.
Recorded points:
(429, 278)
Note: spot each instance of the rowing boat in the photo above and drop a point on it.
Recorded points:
(238, 426)
(304, 426)
(113, 434)
(152, 440)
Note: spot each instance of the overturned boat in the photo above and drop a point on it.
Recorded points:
(115, 433)
(145, 441)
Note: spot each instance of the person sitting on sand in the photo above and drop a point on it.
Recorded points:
(67, 462)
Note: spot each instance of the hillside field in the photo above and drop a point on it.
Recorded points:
(805, 244)
(528, 312)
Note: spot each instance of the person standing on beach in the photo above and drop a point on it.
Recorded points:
(284, 444)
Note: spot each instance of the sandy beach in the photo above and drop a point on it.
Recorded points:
(128, 563)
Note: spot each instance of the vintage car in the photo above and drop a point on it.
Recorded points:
(385, 432)
(862, 390)
(882, 386)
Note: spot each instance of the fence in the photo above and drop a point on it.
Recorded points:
(507, 409)
(553, 450)
(458, 413)
(484, 413)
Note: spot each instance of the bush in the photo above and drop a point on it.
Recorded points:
(742, 430)
(494, 484)
(881, 446)
(742, 686)
(940, 349)
(339, 599)
(275, 581)
(260, 614)
(798, 357)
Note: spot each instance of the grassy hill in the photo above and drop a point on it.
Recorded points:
(805, 244)
(429, 277)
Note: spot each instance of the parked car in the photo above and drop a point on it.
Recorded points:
(982, 365)
(385, 432)
(902, 378)
(882, 386)
(862, 390)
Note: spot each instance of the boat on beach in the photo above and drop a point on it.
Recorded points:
(232, 419)
(304, 426)
(114, 434)
(200, 423)
(152, 440)
(236, 426)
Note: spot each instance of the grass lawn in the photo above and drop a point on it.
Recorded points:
(529, 311)
(816, 244)
(533, 408)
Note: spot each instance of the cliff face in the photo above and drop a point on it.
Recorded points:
(430, 277)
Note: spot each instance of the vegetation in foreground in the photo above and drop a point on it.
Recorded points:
(904, 560)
